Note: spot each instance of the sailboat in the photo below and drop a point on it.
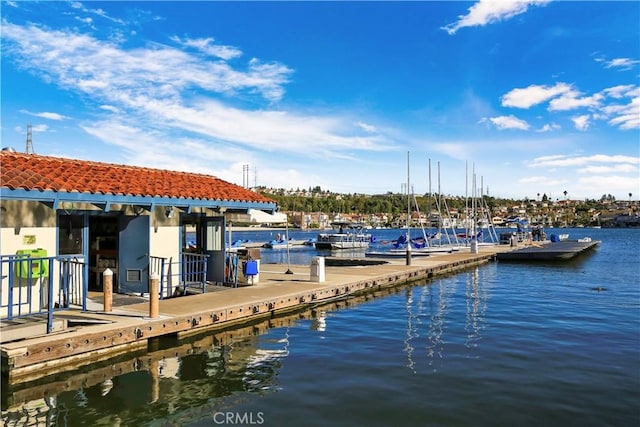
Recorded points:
(429, 242)
(444, 239)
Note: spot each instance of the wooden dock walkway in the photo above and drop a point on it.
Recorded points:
(94, 335)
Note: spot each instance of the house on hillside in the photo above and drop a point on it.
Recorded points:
(115, 216)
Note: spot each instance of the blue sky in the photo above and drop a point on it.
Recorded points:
(540, 97)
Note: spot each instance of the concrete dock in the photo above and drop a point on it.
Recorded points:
(94, 335)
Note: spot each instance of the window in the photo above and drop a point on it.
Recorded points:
(70, 232)
(214, 236)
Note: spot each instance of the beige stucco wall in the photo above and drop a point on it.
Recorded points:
(13, 239)
(25, 225)
(164, 242)
(32, 225)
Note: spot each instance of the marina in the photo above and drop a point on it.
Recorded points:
(94, 334)
(207, 217)
(495, 335)
(193, 326)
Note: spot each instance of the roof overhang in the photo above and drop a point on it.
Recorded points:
(54, 199)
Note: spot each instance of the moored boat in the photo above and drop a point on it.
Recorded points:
(353, 237)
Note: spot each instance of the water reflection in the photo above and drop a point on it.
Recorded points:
(429, 310)
(438, 308)
(186, 380)
(176, 380)
(475, 298)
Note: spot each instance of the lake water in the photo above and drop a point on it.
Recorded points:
(504, 344)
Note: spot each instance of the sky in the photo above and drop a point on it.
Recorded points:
(534, 97)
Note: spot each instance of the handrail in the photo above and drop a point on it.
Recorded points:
(157, 266)
(190, 271)
(29, 285)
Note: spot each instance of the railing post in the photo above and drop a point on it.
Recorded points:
(49, 295)
(107, 289)
(162, 278)
(12, 278)
(154, 298)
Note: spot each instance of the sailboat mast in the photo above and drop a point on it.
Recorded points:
(466, 197)
(474, 206)
(408, 198)
(429, 205)
(408, 255)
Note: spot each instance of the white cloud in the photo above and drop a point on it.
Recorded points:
(533, 95)
(542, 181)
(593, 174)
(366, 127)
(453, 150)
(616, 168)
(110, 108)
(208, 47)
(621, 63)
(174, 92)
(104, 69)
(490, 11)
(562, 160)
(626, 116)
(609, 184)
(507, 122)
(571, 100)
(39, 128)
(99, 12)
(564, 97)
(549, 127)
(46, 115)
(88, 20)
(622, 91)
(581, 122)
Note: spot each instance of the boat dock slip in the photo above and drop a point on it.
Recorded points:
(94, 335)
(549, 251)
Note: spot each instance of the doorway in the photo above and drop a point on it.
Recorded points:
(103, 252)
(205, 235)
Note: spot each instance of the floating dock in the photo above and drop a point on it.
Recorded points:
(94, 335)
(549, 251)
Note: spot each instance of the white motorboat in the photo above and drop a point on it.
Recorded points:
(346, 235)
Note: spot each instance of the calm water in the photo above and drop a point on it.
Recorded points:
(501, 345)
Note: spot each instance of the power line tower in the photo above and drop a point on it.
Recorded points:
(29, 146)
(245, 176)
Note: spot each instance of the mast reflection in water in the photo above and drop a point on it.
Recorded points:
(501, 344)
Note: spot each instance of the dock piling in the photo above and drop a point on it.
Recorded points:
(107, 290)
(154, 297)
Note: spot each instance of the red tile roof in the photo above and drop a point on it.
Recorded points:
(44, 173)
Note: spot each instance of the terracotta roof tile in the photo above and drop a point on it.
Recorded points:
(44, 173)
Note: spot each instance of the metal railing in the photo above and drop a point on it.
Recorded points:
(28, 287)
(74, 281)
(160, 266)
(178, 276)
(194, 272)
(231, 269)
